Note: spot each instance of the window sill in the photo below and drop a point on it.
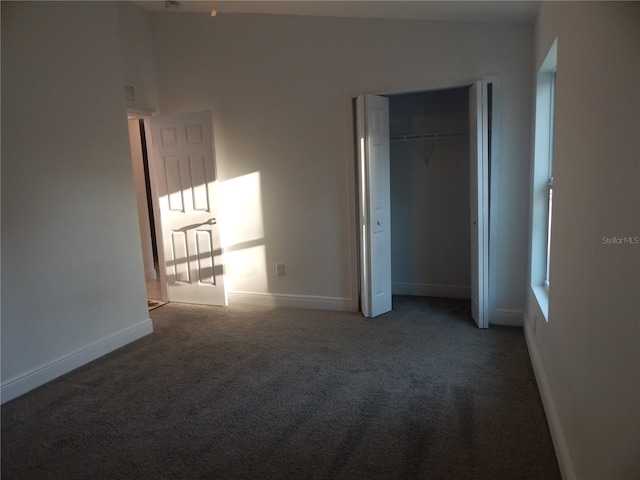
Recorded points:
(541, 292)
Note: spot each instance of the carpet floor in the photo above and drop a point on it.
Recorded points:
(275, 393)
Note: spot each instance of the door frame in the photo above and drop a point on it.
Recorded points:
(352, 174)
(155, 195)
(145, 116)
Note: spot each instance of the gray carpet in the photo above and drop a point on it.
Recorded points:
(275, 393)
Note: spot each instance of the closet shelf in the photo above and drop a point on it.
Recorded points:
(430, 136)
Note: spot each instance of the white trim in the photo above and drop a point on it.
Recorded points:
(423, 86)
(297, 301)
(151, 274)
(495, 203)
(139, 113)
(352, 190)
(21, 384)
(541, 294)
(431, 290)
(557, 435)
(542, 166)
(510, 318)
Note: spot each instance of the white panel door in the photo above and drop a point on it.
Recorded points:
(374, 202)
(479, 177)
(183, 164)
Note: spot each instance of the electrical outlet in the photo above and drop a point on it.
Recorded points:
(279, 269)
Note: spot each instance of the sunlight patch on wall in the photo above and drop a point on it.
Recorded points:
(242, 232)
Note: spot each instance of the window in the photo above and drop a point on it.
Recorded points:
(551, 115)
(543, 186)
(549, 210)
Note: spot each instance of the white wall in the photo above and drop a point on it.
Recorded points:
(138, 63)
(586, 356)
(280, 89)
(72, 279)
(138, 59)
(430, 208)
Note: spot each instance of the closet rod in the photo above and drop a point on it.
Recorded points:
(430, 136)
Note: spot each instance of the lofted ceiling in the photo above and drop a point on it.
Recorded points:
(466, 11)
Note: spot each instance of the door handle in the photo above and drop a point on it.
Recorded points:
(211, 221)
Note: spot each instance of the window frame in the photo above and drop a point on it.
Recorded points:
(543, 181)
(551, 115)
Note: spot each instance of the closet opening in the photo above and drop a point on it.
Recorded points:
(423, 194)
(430, 199)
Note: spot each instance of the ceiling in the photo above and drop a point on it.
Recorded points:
(466, 11)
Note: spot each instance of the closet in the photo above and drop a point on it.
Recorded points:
(430, 202)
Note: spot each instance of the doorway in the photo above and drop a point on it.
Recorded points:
(176, 185)
(439, 150)
(146, 215)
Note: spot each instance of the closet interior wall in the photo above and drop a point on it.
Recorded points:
(430, 212)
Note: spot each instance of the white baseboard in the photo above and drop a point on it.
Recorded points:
(557, 434)
(296, 301)
(430, 290)
(510, 318)
(21, 384)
